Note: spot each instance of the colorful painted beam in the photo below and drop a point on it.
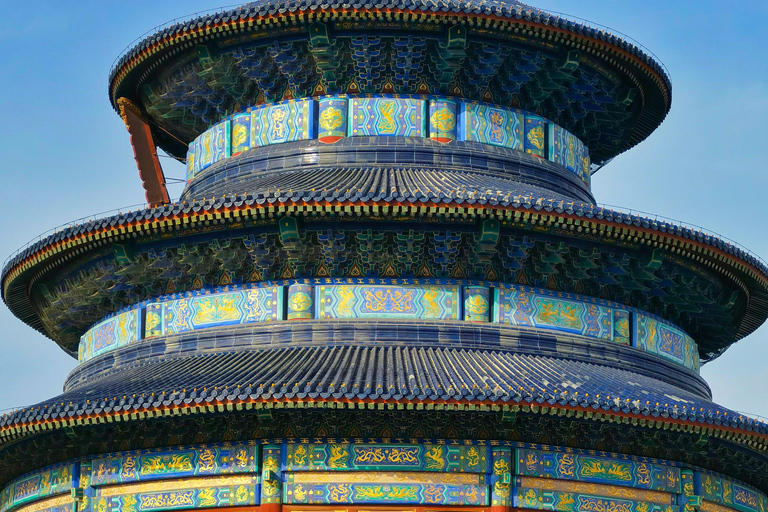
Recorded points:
(269, 473)
(504, 303)
(332, 118)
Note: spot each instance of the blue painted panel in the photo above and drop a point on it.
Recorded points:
(283, 122)
(404, 117)
(491, 125)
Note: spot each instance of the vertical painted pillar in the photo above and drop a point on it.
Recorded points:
(301, 301)
(84, 494)
(501, 480)
(271, 479)
(477, 304)
(621, 331)
(690, 499)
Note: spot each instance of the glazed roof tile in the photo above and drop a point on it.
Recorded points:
(388, 374)
(511, 10)
(529, 198)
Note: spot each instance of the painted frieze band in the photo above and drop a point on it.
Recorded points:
(379, 457)
(47, 483)
(565, 496)
(597, 469)
(445, 473)
(214, 310)
(332, 118)
(516, 305)
(719, 491)
(192, 493)
(665, 340)
(429, 303)
(141, 466)
(325, 488)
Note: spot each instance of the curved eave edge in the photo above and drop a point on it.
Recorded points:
(744, 431)
(224, 210)
(246, 18)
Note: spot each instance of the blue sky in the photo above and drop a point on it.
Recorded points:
(65, 154)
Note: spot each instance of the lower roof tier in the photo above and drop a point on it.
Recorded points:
(375, 474)
(527, 374)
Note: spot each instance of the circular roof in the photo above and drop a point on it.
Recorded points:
(187, 76)
(66, 282)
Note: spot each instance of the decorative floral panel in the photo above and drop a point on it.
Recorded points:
(667, 341)
(282, 122)
(352, 301)
(110, 334)
(488, 124)
(404, 117)
(597, 469)
(213, 310)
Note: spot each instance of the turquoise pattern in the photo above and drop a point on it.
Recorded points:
(530, 309)
(621, 327)
(440, 119)
(731, 493)
(535, 139)
(213, 310)
(183, 498)
(115, 332)
(567, 150)
(49, 482)
(378, 457)
(404, 117)
(491, 125)
(288, 121)
(477, 306)
(211, 146)
(540, 499)
(241, 133)
(425, 302)
(383, 493)
(567, 465)
(144, 465)
(318, 298)
(667, 341)
(376, 471)
(301, 302)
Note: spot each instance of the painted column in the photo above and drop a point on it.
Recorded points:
(690, 499)
(84, 494)
(301, 302)
(477, 305)
(271, 479)
(501, 480)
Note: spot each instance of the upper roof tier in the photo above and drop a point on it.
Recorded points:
(188, 76)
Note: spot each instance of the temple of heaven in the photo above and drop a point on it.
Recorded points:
(386, 286)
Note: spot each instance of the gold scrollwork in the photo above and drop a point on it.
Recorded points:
(434, 457)
(207, 497)
(338, 458)
(300, 455)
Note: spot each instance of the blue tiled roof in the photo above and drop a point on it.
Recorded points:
(508, 9)
(385, 373)
(532, 202)
(394, 185)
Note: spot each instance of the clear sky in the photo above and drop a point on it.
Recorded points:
(65, 154)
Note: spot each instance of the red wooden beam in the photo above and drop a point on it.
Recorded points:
(145, 153)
